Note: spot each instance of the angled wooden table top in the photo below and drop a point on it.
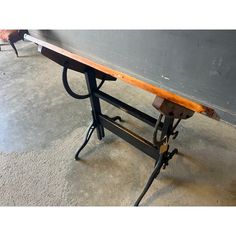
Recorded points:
(195, 69)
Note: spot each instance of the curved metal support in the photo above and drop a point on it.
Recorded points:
(173, 132)
(14, 47)
(162, 162)
(115, 118)
(69, 90)
(169, 157)
(163, 147)
(157, 143)
(86, 139)
(154, 174)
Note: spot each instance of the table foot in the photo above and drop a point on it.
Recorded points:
(88, 135)
(154, 174)
(161, 163)
(14, 47)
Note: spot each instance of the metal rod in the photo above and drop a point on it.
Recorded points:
(130, 137)
(95, 103)
(128, 109)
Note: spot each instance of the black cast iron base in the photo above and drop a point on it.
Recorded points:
(158, 149)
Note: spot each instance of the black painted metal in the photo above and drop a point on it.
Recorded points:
(67, 86)
(69, 90)
(95, 103)
(101, 121)
(86, 140)
(129, 136)
(155, 141)
(167, 127)
(161, 163)
(72, 64)
(14, 47)
(153, 175)
(128, 109)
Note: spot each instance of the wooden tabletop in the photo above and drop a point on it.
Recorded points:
(192, 105)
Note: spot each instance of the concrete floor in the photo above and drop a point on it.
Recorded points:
(41, 127)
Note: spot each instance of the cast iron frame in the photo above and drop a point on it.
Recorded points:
(100, 121)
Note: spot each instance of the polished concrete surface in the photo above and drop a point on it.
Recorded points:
(41, 127)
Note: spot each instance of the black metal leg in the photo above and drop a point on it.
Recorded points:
(162, 162)
(96, 111)
(169, 157)
(95, 103)
(158, 149)
(154, 174)
(88, 135)
(13, 46)
(86, 139)
(164, 154)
